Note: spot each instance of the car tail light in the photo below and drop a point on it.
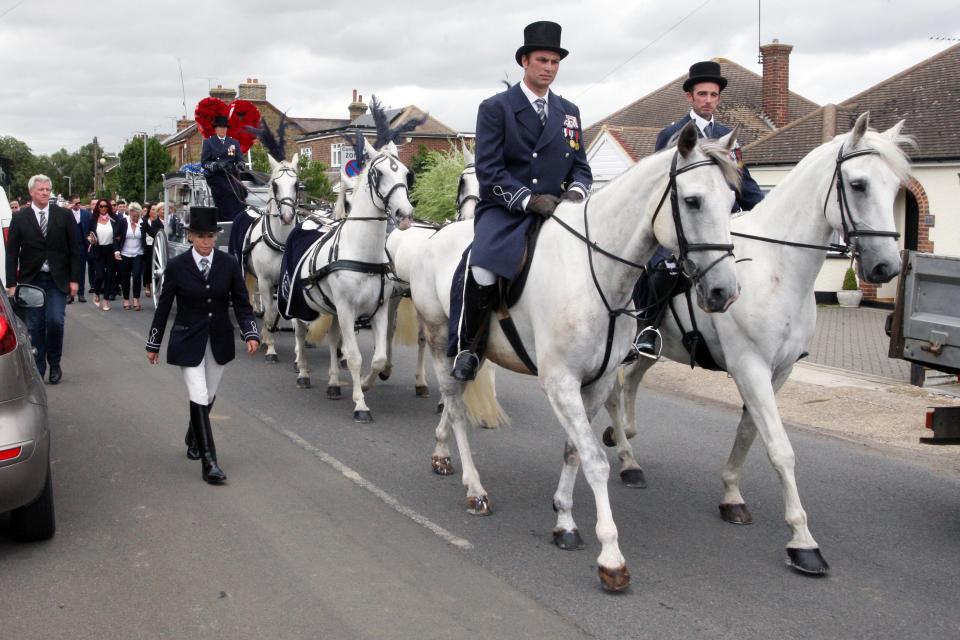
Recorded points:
(10, 454)
(8, 335)
(929, 423)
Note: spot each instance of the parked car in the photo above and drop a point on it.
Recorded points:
(26, 486)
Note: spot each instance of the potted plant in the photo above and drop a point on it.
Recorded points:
(850, 295)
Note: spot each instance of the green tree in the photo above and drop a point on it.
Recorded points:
(17, 162)
(129, 180)
(258, 158)
(313, 175)
(435, 190)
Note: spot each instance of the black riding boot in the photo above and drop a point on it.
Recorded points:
(478, 302)
(660, 283)
(200, 418)
(190, 440)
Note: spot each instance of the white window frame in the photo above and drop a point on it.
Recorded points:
(336, 154)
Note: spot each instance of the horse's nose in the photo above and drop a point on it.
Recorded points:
(883, 272)
(719, 298)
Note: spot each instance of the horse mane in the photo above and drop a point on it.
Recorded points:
(385, 133)
(275, 144)
(891, 150)
(721, 155)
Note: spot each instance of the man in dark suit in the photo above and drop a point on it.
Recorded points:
(205, 283)
(222, 160)
(530, 155)
(43, 249)
(84, 225)
(702, 88)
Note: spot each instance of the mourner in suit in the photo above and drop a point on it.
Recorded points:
(222, 160)
(43, 249)
(84, 221)
(702, 88)
(529, 156)
(205, 283)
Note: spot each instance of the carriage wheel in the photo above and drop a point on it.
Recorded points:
(159, 263)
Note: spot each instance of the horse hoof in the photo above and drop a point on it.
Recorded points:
(442, 466)
(614, 580)
(272, 358)
(808, 561)
(363, 417)
(309, 345)
(303, 383)
(423, 391)
(333, 393)
(608, 438)
(385, 374)
(478, 506)
(439, 408)
(633, 478)
(735, 514)
(568, 540)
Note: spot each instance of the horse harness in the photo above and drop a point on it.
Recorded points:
(470, 169)
(687, 266)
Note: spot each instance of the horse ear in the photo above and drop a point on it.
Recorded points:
(273, 163)
(894, 132)
(467, 154)
(368, 149)
(295, 160)
(729, 141)
(687, 141)
(860, 127)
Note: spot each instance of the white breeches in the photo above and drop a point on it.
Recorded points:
(483, 277)
(203, 379)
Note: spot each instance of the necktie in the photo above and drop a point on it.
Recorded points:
(541, 110)
(204, 267)
(43, 223)
(708, 130)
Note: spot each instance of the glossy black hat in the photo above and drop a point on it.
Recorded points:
(706, 71)
(221, 121)
(203, 220)
(541, 36)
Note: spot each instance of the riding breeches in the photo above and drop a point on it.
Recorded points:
(204, 379)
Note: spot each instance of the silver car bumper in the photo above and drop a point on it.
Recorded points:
(24, 424)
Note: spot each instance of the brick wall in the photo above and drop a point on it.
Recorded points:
(776, 82)
(320, 150)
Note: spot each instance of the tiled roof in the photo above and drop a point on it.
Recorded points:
(181, 135)
(638, 142)
(316, 124)
(394, 116)
(927, 95)
(741, 104)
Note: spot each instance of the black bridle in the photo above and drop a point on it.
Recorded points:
(374, 176)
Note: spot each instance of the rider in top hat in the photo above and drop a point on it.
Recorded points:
(222, 161)
(529, 156)
(205, 283)
(702, 87)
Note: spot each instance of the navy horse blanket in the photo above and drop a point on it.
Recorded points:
(291, 298)
(238, 232)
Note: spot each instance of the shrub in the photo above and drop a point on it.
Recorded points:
(850, 280)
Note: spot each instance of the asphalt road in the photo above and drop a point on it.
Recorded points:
(337, 530)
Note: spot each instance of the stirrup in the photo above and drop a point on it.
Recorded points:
(657, 341)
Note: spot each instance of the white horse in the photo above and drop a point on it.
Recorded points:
(346, 276)
(581, 276)
(264, 242)
(770, 328)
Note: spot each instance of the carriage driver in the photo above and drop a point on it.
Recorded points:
(205, 283)
(529, 157)
(222, 161)
(702, 88)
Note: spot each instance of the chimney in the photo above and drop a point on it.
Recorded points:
(252, 89)
(356, 108)
(829, 127)
(776, 82)
(183, 123)
(227, 95)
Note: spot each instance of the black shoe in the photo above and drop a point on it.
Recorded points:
(200, 418)
(91, 290)
(81, 299)
(70, 300)
(465, 366)
(56, 374)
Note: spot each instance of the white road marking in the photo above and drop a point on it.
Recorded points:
(360, 481)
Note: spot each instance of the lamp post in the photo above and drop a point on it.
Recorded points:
(100, 178)
(144, 134)
(69, 186)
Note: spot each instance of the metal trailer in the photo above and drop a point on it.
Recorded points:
(181, 190)
(924, 328)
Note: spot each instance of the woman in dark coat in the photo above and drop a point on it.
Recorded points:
(102, 237)
(205, 283)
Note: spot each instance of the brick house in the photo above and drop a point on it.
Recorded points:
(185, 145)
(327, 144)
(927, 211)
(758, 104)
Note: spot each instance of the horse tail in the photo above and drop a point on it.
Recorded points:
(408, 325)
(319, 328)
(480, 396)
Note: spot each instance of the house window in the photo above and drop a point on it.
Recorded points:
(335, 154)
(306, 152)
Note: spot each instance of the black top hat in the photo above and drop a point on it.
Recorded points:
(541, 36)
(706, 71)
(221, 121)
(203, 220)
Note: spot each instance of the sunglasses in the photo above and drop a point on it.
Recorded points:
(104, 206)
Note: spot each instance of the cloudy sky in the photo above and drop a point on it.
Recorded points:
(73, 70)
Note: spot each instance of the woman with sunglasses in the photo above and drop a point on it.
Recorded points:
(101, 240)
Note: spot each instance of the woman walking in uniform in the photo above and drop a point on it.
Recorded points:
(204, 282)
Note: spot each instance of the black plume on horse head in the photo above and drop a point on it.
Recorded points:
(275, 144)
(386, 134)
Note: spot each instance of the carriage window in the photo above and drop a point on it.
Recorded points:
(335, 154)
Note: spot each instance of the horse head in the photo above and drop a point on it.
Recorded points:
(387, 179)
(284, 186)
(468, 190)
(870, 170)
(701, 199)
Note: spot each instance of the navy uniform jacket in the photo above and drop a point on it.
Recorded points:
(215, 151)
(202, 307)
(749, 195)
(518, 157)
(220, 168)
